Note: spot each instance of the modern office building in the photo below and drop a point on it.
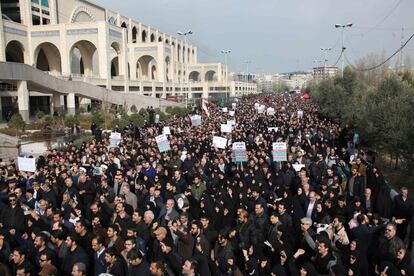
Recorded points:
(322, 72)
(78, 41)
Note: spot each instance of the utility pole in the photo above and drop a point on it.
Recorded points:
(342, 38)
(247, 69)
(401, 65)
(185, 34)
(325, 50)
(226, 52)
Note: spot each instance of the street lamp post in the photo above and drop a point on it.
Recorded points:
(247, 69)
(318, 68)
(325, 50)
(185, 34)
(343, 26)
(226, 52)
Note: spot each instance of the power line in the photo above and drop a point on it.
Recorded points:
(339, 58)
(386, 60)
(384, 18)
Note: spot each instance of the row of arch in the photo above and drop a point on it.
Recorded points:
(84, 60)
(209, 76)
(152, 38)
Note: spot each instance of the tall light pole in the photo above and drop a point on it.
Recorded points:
(247, 69)
(325, 50)
(343, 26)
(185, 34)
(226, 52)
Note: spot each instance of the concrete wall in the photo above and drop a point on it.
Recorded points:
(49, 84)
(9, 146)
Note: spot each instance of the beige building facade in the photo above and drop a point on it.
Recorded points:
(81, 41)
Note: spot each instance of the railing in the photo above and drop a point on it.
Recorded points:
(7, 87)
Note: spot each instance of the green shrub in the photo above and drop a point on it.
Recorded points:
(17, 122)
(71, 120)
(40, 115)
(98, 117)
(84, 139)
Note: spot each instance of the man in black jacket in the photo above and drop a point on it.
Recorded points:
(75, 254)
(117, 265)
(138, 265)
(98, 246)
(12, 217)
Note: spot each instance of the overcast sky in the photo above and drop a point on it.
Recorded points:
(274, 35)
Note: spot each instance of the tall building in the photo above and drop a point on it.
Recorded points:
(320, 73)
(77, 40)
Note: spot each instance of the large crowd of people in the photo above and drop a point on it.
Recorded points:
(132, 210)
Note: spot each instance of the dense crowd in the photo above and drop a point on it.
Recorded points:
(131, 210)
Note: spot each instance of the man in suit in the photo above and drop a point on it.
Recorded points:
(99, 265)
(168, 213)
(310, 205)
(368, 201)
(365, 234)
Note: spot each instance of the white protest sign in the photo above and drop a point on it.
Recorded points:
(300, 113)
(163, 143)
(166, 131)
(270, 111)
(114, 139)
(195, 120)
(26, 164)
(298, 167)
(239, 152)
(225, 109)
(279, 152)
(225, 128)
(275, 129)
(231, 122)
(233, 105)
(261, 109)
(256, 105)
(219, 142)
(231, 113)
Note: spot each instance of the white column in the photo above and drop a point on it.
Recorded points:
(70, 100)
(124, 59)
(25, 12)
(53, 12)
(55, 103)
(1, 111)
(2, 43)
(104, 59)
(64, 52)
(23, 100)
(84, 102)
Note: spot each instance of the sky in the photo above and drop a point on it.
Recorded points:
(274, 36)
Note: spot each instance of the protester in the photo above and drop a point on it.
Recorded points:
(193, 210)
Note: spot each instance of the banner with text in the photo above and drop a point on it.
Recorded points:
(195, 120)
(239, 152)
(279, 152)
(115, 139)
(219, 142)
(163, 143)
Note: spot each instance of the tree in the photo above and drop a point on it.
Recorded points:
(17, 122)
(71, 120)
(98, 117)
(388, 118)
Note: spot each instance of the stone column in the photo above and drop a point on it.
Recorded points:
(1, 111)
(84, 103)
(70, 99)
(23, 100)
(55, 103)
